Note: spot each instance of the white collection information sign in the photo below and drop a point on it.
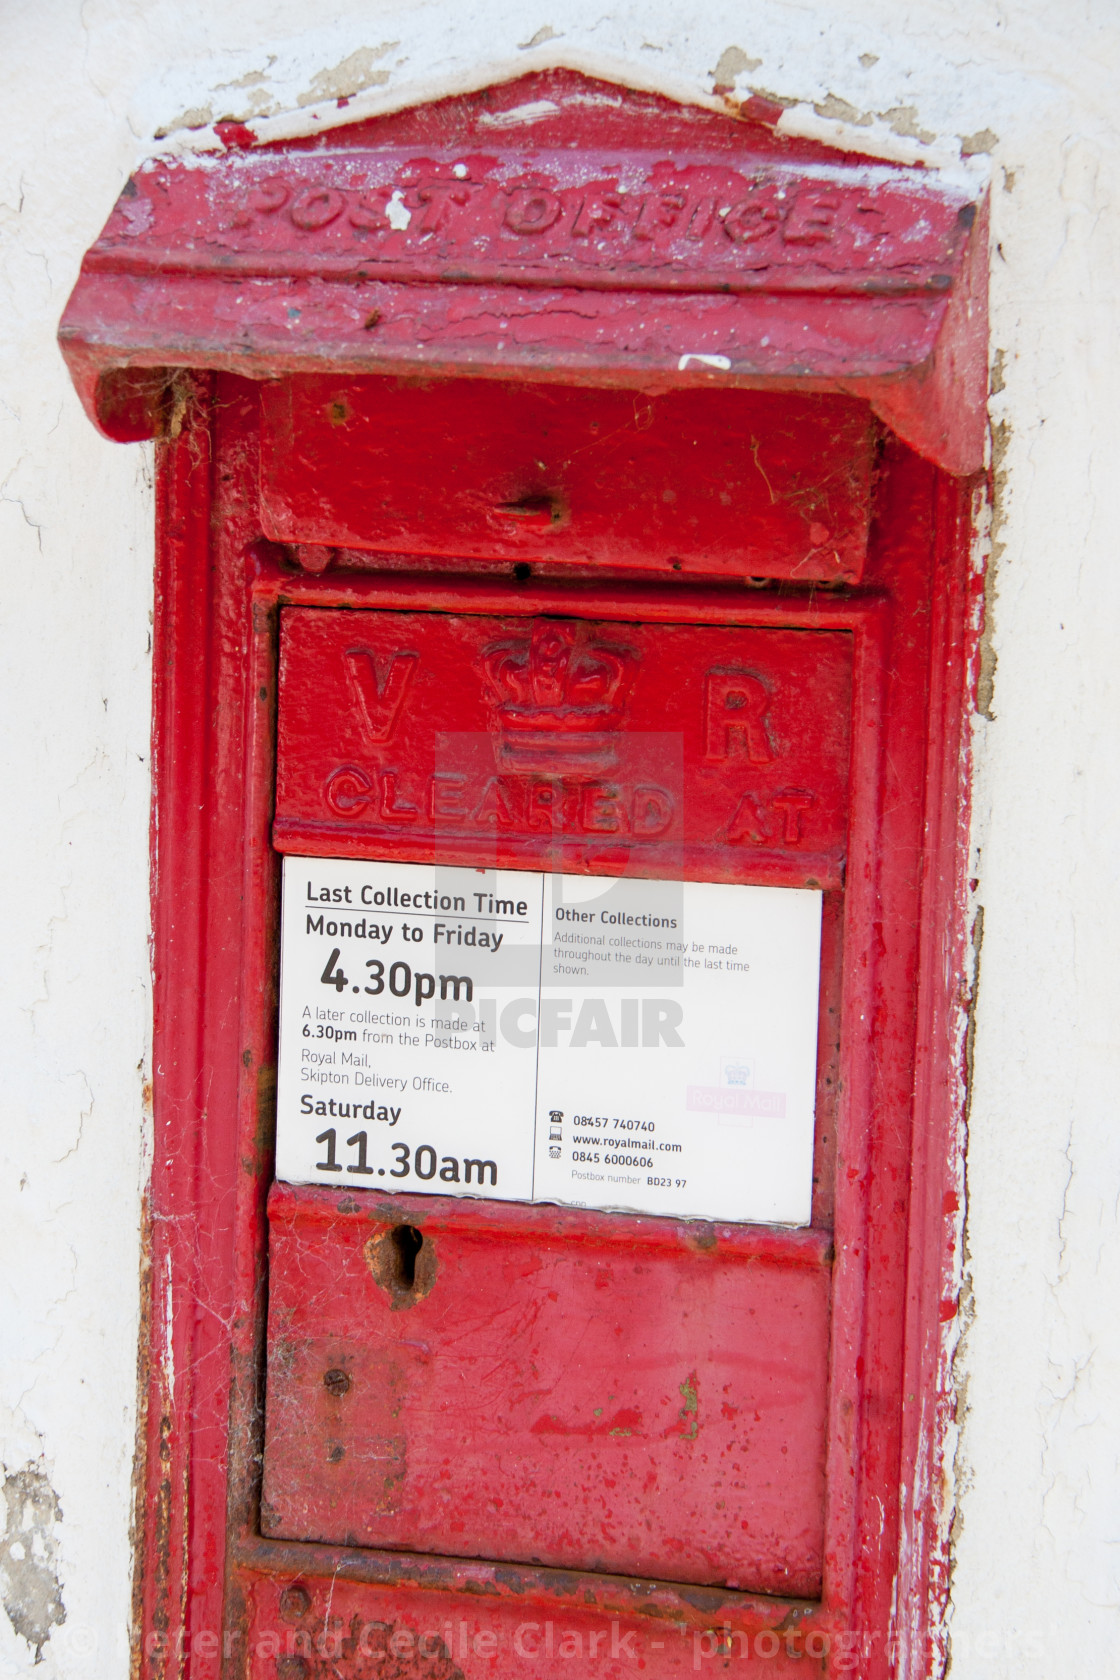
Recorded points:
(603, 1042)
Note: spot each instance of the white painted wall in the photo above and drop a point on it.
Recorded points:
(87, 84)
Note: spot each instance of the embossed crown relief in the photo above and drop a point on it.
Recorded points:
(558, 699)
(557, 757)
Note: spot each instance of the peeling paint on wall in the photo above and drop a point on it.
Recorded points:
(29, 1580)
(733, 62)
(353, 75)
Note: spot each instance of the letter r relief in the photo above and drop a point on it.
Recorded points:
(735, 707)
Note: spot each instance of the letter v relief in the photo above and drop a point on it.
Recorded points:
(381, 688)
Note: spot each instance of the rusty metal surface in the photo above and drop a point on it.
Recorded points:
(310, 1628)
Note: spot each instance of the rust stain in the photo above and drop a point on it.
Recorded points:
(986, 680)
(689, 1413)
(316, 1645)
(264, 1130)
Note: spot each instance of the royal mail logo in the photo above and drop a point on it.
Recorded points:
(751, 1105)
(558, 698)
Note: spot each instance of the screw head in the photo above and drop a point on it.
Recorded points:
(295, 1602)
(336, 1382)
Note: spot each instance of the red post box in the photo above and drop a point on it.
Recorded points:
(563, 638)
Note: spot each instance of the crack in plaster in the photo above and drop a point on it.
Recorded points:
(83, 1115)
(17, 501)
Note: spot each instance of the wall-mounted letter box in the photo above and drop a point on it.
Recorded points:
(562, 642)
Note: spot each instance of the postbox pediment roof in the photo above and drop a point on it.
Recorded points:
(553, 228)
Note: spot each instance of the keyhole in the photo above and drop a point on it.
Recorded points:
(407, 1243)
(403, 1263)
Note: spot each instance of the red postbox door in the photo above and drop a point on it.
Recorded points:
(589, 1391)
(585, 1392)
